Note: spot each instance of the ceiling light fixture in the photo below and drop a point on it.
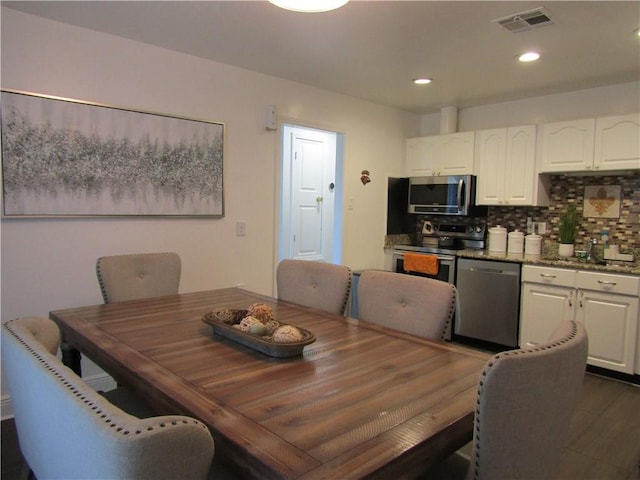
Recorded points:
(637, 32)
(421, 81)
(529, 57)
(309, 6)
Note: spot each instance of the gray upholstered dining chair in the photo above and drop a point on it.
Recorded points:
(417, 305)
(324, 286)
(142, 275)
(525, 402)
(131, 277)
(67, 430)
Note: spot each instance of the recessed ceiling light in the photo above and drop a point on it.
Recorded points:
(421, 81)
(529, 57)
(310, 6)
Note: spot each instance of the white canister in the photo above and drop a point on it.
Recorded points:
(532, 244)
(516, 242)
(498, 239)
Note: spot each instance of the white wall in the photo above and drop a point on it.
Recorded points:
(48, 264)
(593, 102)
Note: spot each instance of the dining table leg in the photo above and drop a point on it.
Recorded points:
(71, 357)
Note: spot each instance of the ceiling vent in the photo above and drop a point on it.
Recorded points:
(521, 22)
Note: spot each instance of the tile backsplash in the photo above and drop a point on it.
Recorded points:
(564, 189)
(623, 231)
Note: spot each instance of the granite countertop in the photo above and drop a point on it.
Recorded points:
(549, 257)
(552, 260)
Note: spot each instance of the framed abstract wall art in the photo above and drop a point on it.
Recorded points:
(63, 157)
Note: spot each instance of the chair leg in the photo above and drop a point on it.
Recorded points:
(26, 473)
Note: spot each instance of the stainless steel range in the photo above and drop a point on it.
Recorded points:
(444, 238)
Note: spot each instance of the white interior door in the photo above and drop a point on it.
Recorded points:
(306, 187)
(308, 194)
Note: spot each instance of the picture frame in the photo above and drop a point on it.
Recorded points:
(65, 157)
(602, 201)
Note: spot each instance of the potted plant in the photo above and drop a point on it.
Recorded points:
(569, 221)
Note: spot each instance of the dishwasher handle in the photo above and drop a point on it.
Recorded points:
(491, 270)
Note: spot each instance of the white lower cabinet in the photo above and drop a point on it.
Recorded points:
(606, 304)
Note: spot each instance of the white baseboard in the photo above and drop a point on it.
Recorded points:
(99, 382)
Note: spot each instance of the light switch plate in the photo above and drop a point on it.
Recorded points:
(241, 228)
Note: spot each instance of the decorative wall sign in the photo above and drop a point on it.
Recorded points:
(602, 201)
(63, 157)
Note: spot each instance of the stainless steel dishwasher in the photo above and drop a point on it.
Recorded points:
(488, 301)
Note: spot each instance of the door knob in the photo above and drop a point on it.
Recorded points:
(318, 199)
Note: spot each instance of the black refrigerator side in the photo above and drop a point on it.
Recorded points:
(399, 221)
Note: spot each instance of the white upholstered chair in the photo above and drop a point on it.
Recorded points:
(324, 286)
(417, 305)
(142, 275)
(67, 430)
(525, 402)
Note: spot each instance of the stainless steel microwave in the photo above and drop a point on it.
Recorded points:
(442, 195)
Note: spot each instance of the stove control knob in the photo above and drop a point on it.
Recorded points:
(478, 229)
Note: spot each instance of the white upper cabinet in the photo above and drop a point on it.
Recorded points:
(450, 154)
(505, 166)
(592, 144)
(420, 159)
(617, 143)
(568, 146)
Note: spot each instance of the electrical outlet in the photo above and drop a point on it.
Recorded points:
(350, 204)
(241, 228)
(542, 228)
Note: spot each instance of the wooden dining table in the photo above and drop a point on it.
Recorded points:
(361, 401)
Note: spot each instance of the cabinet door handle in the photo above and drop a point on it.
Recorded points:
(581, 298)
(570, 297)
(547, 275)
(605, 282)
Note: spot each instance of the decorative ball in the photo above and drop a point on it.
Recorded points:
(257, 329)
(262, 312)
(271, 326)
(247, 322)
(223, 314)
(287, 334)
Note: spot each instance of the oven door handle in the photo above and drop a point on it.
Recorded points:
(442, 258)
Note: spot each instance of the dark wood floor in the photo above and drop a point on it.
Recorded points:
(13, 465)
(604, 441)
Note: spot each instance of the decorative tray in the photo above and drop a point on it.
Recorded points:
(261, 344)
